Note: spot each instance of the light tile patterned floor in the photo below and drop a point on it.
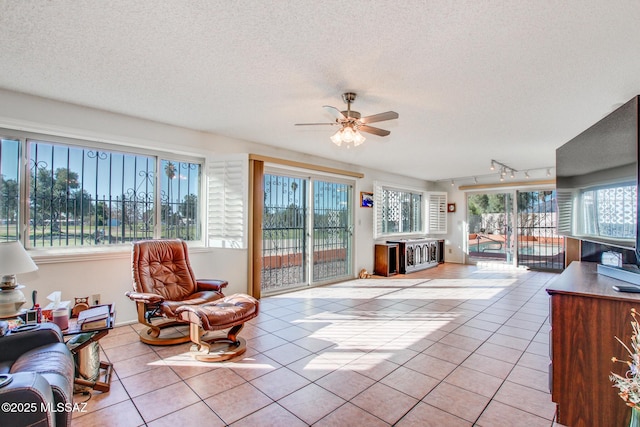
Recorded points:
(451, 346)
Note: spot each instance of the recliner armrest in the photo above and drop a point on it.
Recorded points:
(17, 343)
(33, 399)
(144, 297)
(211, 284)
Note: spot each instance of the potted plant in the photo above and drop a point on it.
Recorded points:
(629, 384)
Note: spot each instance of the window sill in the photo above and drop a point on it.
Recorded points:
(400, 236)
(56, 256)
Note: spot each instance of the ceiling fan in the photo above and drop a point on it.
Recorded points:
(351, 123)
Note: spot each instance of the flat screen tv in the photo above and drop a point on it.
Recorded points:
(597, 182)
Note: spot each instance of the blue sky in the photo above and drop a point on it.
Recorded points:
(101, 173)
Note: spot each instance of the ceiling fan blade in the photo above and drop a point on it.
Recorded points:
(314, 124)
(375, 131)
(335, 112)
(389, 115)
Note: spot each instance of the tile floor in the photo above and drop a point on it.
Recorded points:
(451, 346)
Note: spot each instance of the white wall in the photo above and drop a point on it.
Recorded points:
(109, 274)
(456, 224)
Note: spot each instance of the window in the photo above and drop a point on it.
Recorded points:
(82, 194)
(610, 212)
(9, 188)
(401, 211)
(398, 211)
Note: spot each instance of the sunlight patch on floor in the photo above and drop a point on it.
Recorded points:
(484, 266)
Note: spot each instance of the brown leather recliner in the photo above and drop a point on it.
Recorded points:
(163, 281)
(41, 369)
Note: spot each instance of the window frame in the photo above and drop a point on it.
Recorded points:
(158, 156)
(589, 216)
(378, 205)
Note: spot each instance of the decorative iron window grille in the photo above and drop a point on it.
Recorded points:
(401, 211)
(79, 196)
(610, 212)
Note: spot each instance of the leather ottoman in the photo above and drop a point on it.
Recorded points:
(226, 313)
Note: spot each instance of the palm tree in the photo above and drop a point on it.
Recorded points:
(170, 171)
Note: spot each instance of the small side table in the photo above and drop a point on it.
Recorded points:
(96, 335)
(386, 259)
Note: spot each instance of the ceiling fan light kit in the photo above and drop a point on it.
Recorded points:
(348, 136)
(352, 123)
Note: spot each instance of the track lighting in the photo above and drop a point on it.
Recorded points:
(502, 171)
(503, 168)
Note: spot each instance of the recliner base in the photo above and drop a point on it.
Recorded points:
(218, 351)
(160, 334)
(157, 332)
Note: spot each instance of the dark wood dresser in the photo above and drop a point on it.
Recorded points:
(586, 315)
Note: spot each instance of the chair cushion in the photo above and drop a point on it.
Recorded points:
(221, 314)
(162, 267)
(169, 307)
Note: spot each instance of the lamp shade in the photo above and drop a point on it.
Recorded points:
(337, 138)
(14, 259)
(358, 139)
(348, 134)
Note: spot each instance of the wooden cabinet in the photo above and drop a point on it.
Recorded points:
(586, 315)
(418, 254)
(386, 259)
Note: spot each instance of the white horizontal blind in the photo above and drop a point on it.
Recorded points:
(565, 201)
(437, 212)
(227, 201)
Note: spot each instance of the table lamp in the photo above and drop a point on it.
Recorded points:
(14, 259)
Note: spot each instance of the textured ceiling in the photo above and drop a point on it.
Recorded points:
(472, 80)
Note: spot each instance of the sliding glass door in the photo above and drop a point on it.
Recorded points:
(332, 231)
(490, 218)
(284, 235)
(517, 227)
(307, 231)
(539, 245)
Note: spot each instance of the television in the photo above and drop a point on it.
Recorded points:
(597, 183)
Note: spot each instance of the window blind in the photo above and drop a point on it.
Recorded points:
(227, 201)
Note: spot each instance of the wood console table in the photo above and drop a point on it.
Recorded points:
(418, 254)
(586, 316)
